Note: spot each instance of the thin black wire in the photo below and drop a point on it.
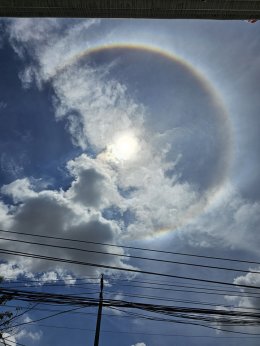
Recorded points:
(183, 322)
(19, 315)
(160, 319)
(141, 333)
(82, 285)
(89, 291)
(131, 256)
(171, 299)
(96, 265)
(76, 300)
(225, 292)
(86, 278)
(133, 247)
(249, 294)
(151, 334)
(43, 318)
(233, 317)
(13, 342)
(72, 312)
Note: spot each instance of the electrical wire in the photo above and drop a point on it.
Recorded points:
(148, 334)
(170, 299)
(12, 342)
(202, 289)
(87, 301)
(132, 247)
(178, 314)
(131, 270)
(132, 256)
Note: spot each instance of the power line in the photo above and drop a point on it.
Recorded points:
(132, 256)
(190, 315)
(11, 280)
(142, 333)
(183, 322)
(44, 318)
(167, 298)
(71, 312)
(133, 248)
(57, 286)
(96, 265)
(204, 290)
(86, 301)
(171, 299)
(13, 342)
(148, 334)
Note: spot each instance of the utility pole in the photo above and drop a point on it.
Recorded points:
(96, 342)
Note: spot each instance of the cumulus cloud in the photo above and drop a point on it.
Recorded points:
(10, 270)
(19, 189)
(230, 221)
(140, 344)
(56, 213)
(24, 334)
(28, 335)
(94, 185)
(249, 300)
(9, 338)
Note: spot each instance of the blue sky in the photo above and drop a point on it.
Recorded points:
(129, 132)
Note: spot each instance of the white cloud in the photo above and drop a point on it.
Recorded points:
(22, 334)
(229, 222)
(10, 270)
(94, 185)
(5, 218)
(140, 344)
(86, 98)
(245, 302)
(19, 189)
(52, 42)
(9, 338)
(56, 213)
(250, 279)
(29, 335)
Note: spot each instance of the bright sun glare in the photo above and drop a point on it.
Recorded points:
(124, 147)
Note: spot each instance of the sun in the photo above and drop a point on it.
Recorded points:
(123, 148)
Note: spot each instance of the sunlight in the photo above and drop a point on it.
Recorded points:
(124, 147)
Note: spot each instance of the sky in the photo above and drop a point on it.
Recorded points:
(140, 133)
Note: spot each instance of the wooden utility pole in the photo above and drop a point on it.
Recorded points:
(96, 342)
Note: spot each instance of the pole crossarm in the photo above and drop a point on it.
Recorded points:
(189, 9)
